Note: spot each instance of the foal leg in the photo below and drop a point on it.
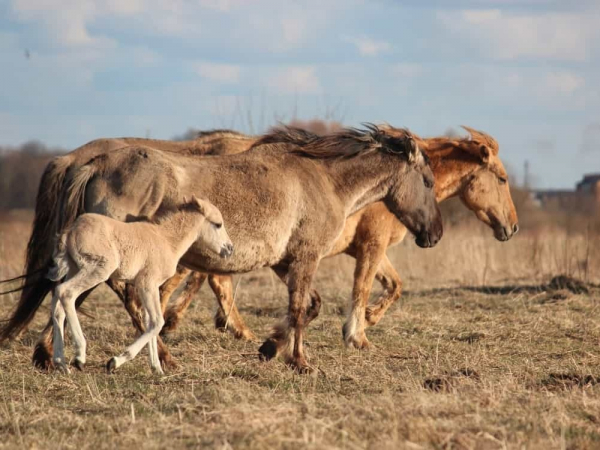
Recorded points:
(68, 292)
(131, 301)
(178, 308)
(42, 352)
(58, 322)
(151, 300)
(392, 284)
(368, 256)
(287, 337)
(227, 315)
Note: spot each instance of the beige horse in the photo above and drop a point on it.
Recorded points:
(469, 168)
(289, 226)
(97, 248)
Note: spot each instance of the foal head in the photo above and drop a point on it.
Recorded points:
(487, 192)
(412, 196)
(211, 232)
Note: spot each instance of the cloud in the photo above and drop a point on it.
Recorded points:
(591, 138)
(562, 83)
(544, 146)
(407, 70)
(505, 35)
(296, 80)
(221, 73)
(367, 46)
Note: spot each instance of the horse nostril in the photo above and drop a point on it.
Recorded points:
(515, 229)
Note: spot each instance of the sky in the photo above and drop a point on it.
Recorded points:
(525, 71)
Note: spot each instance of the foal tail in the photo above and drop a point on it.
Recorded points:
(60, 259)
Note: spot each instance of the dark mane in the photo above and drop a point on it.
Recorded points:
(286, 135)
(218, 132)
(347, 143)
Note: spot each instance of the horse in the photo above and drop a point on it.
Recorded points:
(97, 248)
(467, 167)
(288, 226)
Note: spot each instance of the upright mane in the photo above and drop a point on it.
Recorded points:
(219, 133)
(347, 143)
(468, 146)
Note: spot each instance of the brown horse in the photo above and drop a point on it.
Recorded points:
(465, 167)
(289, 226)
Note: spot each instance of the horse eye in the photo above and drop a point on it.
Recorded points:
(218, 225)
(428, 183)
(502, 180)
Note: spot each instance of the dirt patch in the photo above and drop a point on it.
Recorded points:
(561, 381)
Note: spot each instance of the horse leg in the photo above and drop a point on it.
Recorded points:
(315, 299)
(177, 309)
(287, 337)
(150, 297)
(227, 315)
(368, 255)
(392, 284)
(42, 352)
(166, 292)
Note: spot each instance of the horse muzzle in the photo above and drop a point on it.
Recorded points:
(504, 233)
(226, 251)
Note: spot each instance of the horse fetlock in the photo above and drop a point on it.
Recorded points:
(373, 315)
(42, 356)
(171, 322)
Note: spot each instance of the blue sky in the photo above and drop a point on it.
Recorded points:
(527, 72)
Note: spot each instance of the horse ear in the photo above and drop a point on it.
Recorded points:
(485, 153)
(413, 150)
(185, 199)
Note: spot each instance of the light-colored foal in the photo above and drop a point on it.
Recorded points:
(97, 248)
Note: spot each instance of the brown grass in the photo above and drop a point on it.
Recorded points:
(457, 365)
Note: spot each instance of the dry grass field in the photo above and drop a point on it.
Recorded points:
(483, 352)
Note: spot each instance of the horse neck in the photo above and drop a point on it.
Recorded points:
(180, 229)
(452, 168)
(364, 179)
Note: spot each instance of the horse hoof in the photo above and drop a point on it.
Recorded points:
(63, 368)
(171, 322)
(41, 358)
(111, 365)
(301, 367)
(268, 350)
(78, 364)
(168, 363)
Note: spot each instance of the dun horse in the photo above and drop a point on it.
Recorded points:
(97, 248)
(465, 167)
(289, 226)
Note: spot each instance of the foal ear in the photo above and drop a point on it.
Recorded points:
(201, 204)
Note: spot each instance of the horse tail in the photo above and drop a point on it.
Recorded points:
(66, 205)
(39, 247)
(60, 258)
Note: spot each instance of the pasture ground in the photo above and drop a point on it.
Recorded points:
(454, 366)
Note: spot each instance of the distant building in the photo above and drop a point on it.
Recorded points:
(585, 197)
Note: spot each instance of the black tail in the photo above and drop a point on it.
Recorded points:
(39, 248)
